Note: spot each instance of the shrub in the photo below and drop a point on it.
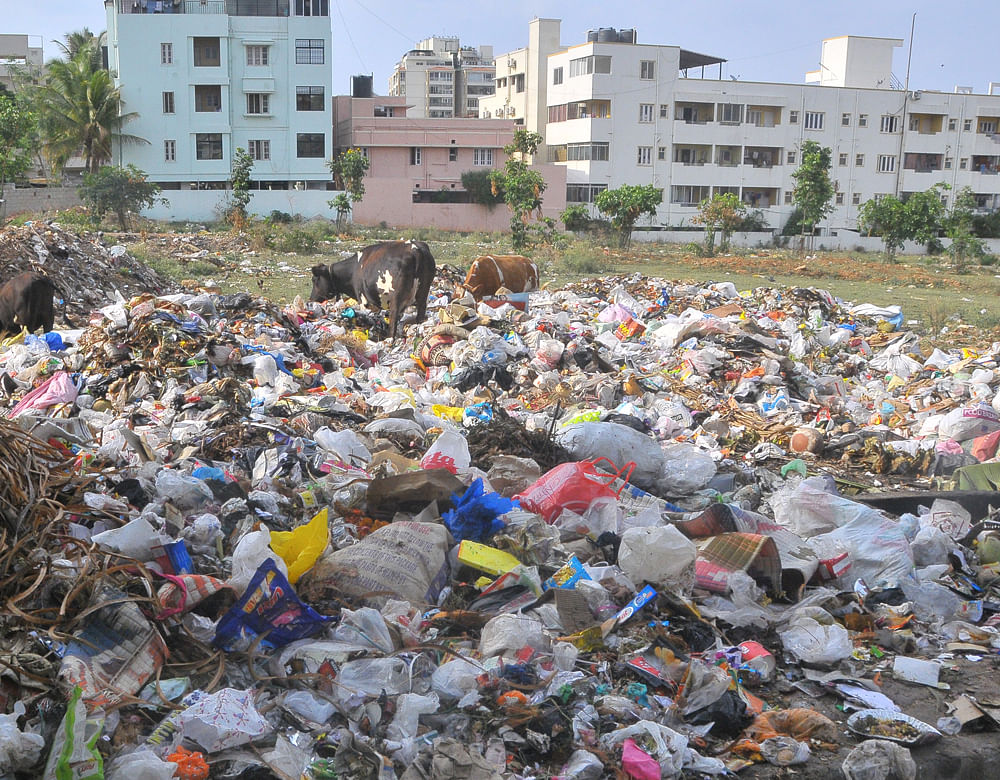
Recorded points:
(576, 217)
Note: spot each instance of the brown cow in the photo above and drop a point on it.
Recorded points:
(489, 273)
(26, 302)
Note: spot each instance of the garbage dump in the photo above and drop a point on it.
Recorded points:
(634, 528)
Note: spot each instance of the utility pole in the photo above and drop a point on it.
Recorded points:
(902, 118)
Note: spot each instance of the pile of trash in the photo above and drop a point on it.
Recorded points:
(625, 528)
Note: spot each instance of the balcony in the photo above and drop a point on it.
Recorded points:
(988, 164)
(926, 124)
(762, 156)
(764, 116)
(693, 155)
(923, 163)
(760, 197)
(694, 113)
(728, 156)
(230, 7)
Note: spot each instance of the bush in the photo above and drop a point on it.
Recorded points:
(480, 188)
(576, 217)
(753, 222)
(279, 218)
(583, 263)
(793, 226)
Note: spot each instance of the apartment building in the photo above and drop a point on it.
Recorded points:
(440, 78)
(21, 54)
(416, 165)
(623, 112)
(208, 76)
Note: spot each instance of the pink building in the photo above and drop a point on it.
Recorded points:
(415, 179)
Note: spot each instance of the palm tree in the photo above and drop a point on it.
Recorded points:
(75, 42)
(80, 106)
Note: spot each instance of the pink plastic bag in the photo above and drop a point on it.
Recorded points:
(57, 389)
(638, 764)
(573, 486)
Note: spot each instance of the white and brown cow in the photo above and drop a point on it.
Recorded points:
(489, 273)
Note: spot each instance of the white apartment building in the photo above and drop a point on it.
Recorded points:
(208, 76)
(621, 112)
(20, 53)
(440, 78)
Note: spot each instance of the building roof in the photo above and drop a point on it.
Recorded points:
(692, 59)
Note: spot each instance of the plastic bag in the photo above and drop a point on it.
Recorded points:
(476, 513)
(364, 627)
(637, 763)
(879, 759)
(309, 706)
(301, 548)
(251, 551)
(221, 720)
(74, 754)
(814, 643)
(685, 470)
(571, 486)
(141, 765)
(346, 444)
(617, 443)
(270, 607)
(879, 551)
(450, 451)
(511, 632)
(454, 679)
(57, 389)
(660, 555)
(785, 751)
(812, 508)
(968, 422)
(19, 750)
(133, 540)
(184, 492)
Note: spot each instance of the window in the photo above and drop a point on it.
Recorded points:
(206, 52)
(312, 7)
(208, 97)
(453, 154)
(583, 193)
(859, 161)
(647, 69)
(596, 63)
(793, 117)
(518, 82)
(842, 159)
(645, 112)
(730, 113)
(257, 55)
(856, 199)
(664, 110)
(258, 103)
(170, 151)
(661, 153)
(845, 120)
(953, 124)
(168, 102)
(557, 75)
(987, 126)
(309, 98)
(259, 150)
(482, 157)
(915, 123)
(166, 54)
(597, 150)
(886, 163)
(890, 123)
(814, 120)
(645, 156)
(310, 145)
(208, 146)
(791, 158)
(839, 199)
(967, 124)
(415, 155)
(308, 51)
(862, 120)
(788, 197)
(963, 163)
(948, 163)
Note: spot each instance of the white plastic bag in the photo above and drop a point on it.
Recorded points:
(345, 444)
(141, 765)
(453, 679)
(811, 508)
(968, 422)
(659, 555)
(879, 551)
(878, 759)
(620, 444)
(815, 643)
(449, 451)
(19, 750)
(251, 551)
(224, 719)
(309, 706)
(685, 469)
(511, 632)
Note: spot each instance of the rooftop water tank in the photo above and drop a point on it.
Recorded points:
(607, 35)
(627, 35)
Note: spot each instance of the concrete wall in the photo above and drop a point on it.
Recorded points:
(203, 205)
(31, 199)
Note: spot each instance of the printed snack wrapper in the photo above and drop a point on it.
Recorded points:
(223, 720)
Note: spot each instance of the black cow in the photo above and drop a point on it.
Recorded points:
(26, 301)
(389, 275)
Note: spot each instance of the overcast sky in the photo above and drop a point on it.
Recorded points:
(956, 41)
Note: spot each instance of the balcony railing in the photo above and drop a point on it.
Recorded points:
(231, 7)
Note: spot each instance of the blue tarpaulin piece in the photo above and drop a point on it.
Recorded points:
(476, 515)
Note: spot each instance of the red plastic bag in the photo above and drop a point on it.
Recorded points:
(573, 486)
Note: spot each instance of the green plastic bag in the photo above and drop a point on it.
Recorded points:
(74, 754)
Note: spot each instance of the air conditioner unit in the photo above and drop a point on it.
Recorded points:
(915, 94)
(511, 64)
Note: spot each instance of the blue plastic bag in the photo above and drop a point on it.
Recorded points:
(269, 605)
(476, 513)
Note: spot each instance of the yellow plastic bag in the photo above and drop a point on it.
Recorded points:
(301, 548)
(453, 413)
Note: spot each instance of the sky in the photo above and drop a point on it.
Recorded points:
(955, 42)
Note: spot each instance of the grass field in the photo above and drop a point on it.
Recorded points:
(931, 293)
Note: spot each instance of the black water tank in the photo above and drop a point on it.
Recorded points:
(361, 86)
(607, 35)
(627, 35)
(591, 36)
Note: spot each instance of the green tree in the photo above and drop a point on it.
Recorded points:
(626, 204)
(348, 169)
(74, 43)
(813, 192)
(123, 191)
(520, 187)
(959, 228)
(480, 188)
(575, 217)
(723, 212)
(242, 166)
(79, 109)
(17, 128)
(888, 218)
(926, 213)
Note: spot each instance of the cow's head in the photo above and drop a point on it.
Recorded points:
(322, 283)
